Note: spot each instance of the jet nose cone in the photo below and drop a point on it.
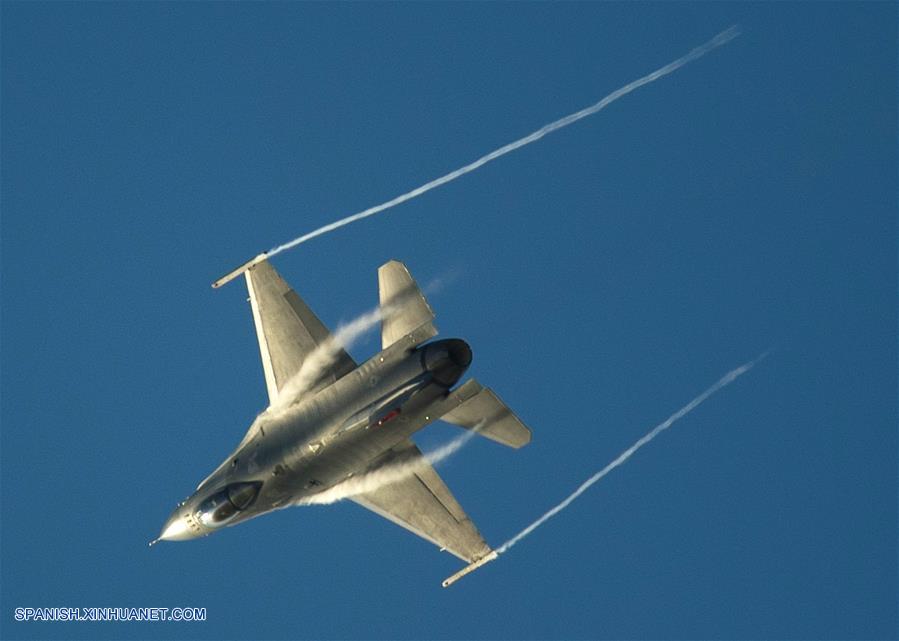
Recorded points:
(176, 528)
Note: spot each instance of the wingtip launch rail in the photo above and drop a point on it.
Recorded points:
(470, 568)
(227, 278)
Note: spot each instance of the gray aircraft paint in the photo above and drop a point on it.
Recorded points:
(352, 421)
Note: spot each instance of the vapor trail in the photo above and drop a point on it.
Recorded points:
(325, 354)
(722, 38)
(318, 361)
(727, 379)
(378, 478)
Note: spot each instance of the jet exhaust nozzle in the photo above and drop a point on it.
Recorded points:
(447, 360)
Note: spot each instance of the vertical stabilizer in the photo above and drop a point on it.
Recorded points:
(403, 306)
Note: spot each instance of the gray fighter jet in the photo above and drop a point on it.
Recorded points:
(351, 420)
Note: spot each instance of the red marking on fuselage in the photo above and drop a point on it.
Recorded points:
(392, 414)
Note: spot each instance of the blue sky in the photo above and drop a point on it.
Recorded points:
(603, 276)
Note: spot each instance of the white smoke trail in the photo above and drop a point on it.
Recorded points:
(725, 380)
(722, 38)
(378, 478)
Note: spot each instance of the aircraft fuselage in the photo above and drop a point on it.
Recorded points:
(325, 437)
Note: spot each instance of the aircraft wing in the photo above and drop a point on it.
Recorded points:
(288, 331)
(423, 504)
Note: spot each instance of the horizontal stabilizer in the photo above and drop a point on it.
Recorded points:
(490, 416)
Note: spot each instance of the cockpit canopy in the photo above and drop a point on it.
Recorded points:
(222, 506)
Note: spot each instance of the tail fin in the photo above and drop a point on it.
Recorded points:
(486, 412)
(403, 305)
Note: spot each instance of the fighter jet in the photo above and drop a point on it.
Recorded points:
(349, 420)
